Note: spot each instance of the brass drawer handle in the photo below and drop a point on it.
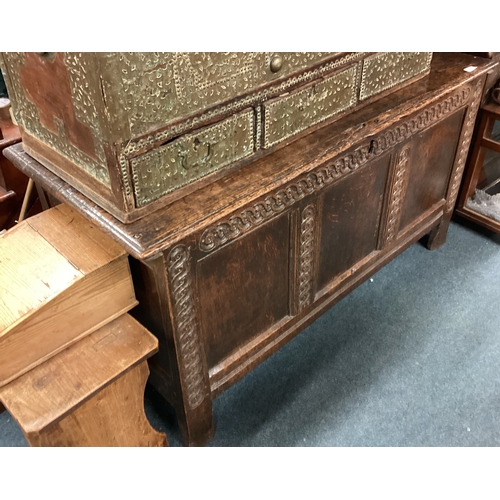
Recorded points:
(276, 63)
(197, 159)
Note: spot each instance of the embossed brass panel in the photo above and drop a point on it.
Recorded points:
(134, 122)
(387, 69)
(157, 88)
(191, 157)
(70, 78)
(285, 117)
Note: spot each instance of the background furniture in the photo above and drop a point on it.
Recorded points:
(72, 362)
(483, 172)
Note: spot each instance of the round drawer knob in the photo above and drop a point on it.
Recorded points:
(276, 63)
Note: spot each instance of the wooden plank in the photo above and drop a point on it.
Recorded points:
(76, 312)
(61, 279)
(113, 417)
(69, 232)
(52, 390)
(32, 273)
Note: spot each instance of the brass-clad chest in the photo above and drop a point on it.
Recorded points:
(135, 131)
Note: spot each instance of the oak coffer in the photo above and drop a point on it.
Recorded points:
(229, 273)
(136, 131)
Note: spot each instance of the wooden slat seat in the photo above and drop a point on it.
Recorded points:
(90, 394)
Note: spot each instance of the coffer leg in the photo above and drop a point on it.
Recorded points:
(165, 290)
(196, 426)
(437, 236)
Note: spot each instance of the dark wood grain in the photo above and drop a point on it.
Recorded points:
(351, 220)
(243, 289)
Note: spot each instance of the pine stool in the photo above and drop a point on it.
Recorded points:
(90, 394)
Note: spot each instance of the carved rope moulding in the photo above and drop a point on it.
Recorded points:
(306, 257)
(186, 325)
(464, 145)
(329, 172)
(384, 71)
(401, 173)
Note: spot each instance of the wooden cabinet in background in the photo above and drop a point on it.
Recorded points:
(229, 273)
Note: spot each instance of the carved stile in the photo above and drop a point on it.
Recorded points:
(468, 130)
(399, 184)
(190, 358)
(306, 257)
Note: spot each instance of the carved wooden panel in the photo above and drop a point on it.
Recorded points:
(243, 288)
(350, 219)
(430, 162)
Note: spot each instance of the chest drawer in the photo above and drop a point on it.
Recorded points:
(154, 90)
(287, 116)
(385, 70)
(192, 157)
